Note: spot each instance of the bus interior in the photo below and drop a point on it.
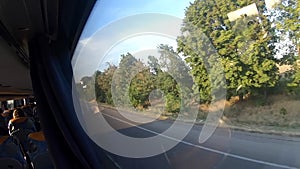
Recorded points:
(44, 125)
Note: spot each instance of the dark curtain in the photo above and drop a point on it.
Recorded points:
(51, 74)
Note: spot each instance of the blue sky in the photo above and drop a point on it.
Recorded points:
(108, 11)
(116, 27)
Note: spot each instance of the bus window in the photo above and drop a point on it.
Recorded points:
(10, 104)
(191, 83)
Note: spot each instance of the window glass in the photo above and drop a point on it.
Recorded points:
(191, 84)
(10, 104)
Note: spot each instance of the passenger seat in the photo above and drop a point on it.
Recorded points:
(10, 154)
(38, 151)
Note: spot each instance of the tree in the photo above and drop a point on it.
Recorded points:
(132, 83)
(172, 78)
(243, 48)
(99, 90)
(287, 16)
(287, 22)
(141, 85)
(103, 84)
(121, 80)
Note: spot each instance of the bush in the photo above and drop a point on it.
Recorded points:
(294, 92)
(172, 103)
(283, 111)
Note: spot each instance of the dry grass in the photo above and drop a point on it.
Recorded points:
(280, 110)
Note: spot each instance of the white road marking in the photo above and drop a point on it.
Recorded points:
(206, 148)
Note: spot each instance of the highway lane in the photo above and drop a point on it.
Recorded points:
(227, 148)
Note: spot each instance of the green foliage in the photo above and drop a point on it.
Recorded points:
(132, 81)
(103, 85)
(236, 55)
(287, 16)
(244, 47)
(140, 88)
(294, 92)
(172, 103)
(127, 70)
(283, 111)
(170, 74)
(287, 22)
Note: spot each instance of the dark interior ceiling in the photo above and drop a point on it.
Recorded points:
(20, 20)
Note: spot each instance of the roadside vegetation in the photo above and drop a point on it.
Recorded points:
(262, 87)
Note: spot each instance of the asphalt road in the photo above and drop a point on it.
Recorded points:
(226, 149)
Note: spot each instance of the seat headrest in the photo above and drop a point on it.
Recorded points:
(3, 139)
(19, 120)
(39, 136)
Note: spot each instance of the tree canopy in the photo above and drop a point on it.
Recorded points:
(243, 46)
(234, 56)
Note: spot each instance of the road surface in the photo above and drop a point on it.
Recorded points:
(226, 149)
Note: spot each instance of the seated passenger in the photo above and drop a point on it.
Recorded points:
(20, 126)
(20, 122)
(27, 110)
(7, 114)
(36, 118)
